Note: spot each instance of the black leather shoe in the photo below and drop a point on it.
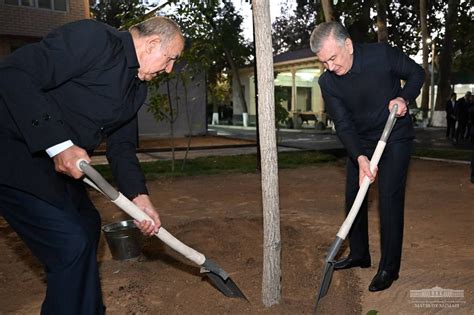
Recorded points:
(382, 280)
(350, 262)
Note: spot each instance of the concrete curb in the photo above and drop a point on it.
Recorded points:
(441, 160)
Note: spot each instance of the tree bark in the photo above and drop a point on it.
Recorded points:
(382, 33)
(328, 10)
(446, 56)
(424, 38)
(271, 283)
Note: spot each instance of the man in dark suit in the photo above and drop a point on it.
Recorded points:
(450, 116)
(462, 116)
(59, 98)
(362, 84)
(470, 121)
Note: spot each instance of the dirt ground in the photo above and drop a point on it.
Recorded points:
(220, 215)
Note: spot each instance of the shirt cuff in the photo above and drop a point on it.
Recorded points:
(58, 148)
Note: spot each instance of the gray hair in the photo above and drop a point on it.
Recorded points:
(162, 26)
(326, 30)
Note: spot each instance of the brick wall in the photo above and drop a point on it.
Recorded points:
(21, 25)
(33, 22)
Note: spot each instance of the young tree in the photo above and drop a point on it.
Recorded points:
(271, 286)
(161, 106)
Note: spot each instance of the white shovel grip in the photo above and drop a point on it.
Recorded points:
(346, 226)
(131, 209)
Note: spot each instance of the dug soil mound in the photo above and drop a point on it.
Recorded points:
(221, 216)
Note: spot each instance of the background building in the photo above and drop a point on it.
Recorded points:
(188, 105)
(27, 21)
(296, 81)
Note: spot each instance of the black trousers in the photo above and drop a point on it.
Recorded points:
(65, 240)
(451, 127)
(391, 180)
(461, 130)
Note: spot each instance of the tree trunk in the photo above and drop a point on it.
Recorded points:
(271, 286)
(236, 75)
(257, 129)
(446, 56)
(424, 38)
(382, 21)
(188, 120)
(328, 10)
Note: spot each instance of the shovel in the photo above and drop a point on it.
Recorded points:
(216, 274)
(346, 226)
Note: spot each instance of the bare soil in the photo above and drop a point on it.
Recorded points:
(221, 216)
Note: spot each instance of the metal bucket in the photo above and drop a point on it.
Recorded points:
(124, 239)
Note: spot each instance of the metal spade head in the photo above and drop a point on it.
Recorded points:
(325, 281)
(227, 287)
(221, 280)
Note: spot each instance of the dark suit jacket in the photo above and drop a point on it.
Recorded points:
(79, 83)
(358, 101)
(450, 107)
(462, 110)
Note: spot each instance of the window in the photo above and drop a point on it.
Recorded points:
(57, 5)
(60, 5)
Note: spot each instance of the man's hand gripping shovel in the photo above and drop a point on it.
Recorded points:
(216, 274)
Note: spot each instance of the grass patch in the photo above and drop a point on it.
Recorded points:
(450, 154)
(223, 164)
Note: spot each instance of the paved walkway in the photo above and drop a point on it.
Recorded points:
(289, 140)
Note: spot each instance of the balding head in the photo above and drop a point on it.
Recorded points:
(161, 26)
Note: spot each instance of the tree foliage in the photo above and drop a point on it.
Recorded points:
(292, 29)
(464, 38)
(118, 13)
(211, 29)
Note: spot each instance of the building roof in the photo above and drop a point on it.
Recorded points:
(294, 55)
(289, 57)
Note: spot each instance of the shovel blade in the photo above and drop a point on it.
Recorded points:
(221, 280)
(227, 287)
(325, 281)
(328, 269)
